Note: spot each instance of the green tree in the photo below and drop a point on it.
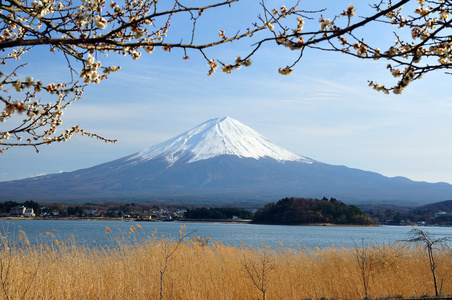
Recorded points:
(5, 207)
(75, 211)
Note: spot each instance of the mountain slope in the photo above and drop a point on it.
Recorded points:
(221, 161)
(436, 207)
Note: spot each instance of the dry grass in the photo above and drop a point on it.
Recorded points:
(57, 269)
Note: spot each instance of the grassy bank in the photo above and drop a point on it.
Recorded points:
(190, 267)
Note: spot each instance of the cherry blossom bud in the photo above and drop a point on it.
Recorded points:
(100, 22)
(286, 71)
(444, 15)
(135, 55)
(377, 53)
(139, 34)
(227, 69)
(325, 23)
(350, 11)
(283, 10)
(397, 90)
(269, 25)
(18, 85)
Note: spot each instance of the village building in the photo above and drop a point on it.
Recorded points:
(21, 211)
(29, 212)
(442, 214)
(17, 211)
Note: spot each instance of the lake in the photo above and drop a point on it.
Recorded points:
(94, 233)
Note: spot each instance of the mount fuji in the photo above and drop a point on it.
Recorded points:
(221, 161)
(214, 138)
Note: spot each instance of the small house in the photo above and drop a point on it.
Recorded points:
(17, 211)
(29, 212)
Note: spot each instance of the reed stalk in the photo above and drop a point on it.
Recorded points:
(132, 269)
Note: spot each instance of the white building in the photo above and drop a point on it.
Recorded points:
(29, 212)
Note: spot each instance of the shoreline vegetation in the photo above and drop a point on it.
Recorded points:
(142, 265)
(287, 211)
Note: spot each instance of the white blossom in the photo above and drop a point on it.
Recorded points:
(100, 22)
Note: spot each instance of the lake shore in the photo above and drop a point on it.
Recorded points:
(230, 221)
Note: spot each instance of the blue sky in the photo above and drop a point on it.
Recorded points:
(324, 110)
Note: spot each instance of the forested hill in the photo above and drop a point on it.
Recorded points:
(436, 207)
(292, 211)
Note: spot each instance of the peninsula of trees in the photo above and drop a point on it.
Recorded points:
(294, 211)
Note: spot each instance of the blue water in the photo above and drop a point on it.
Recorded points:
(94, 233)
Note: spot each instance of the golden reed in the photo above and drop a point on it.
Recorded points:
(201, 269)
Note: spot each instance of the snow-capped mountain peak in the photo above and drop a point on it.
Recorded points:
(222, 136)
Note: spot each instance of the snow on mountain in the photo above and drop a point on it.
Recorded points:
(215, 137)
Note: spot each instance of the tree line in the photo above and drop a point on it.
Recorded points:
(216, 213)
(285, 211)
